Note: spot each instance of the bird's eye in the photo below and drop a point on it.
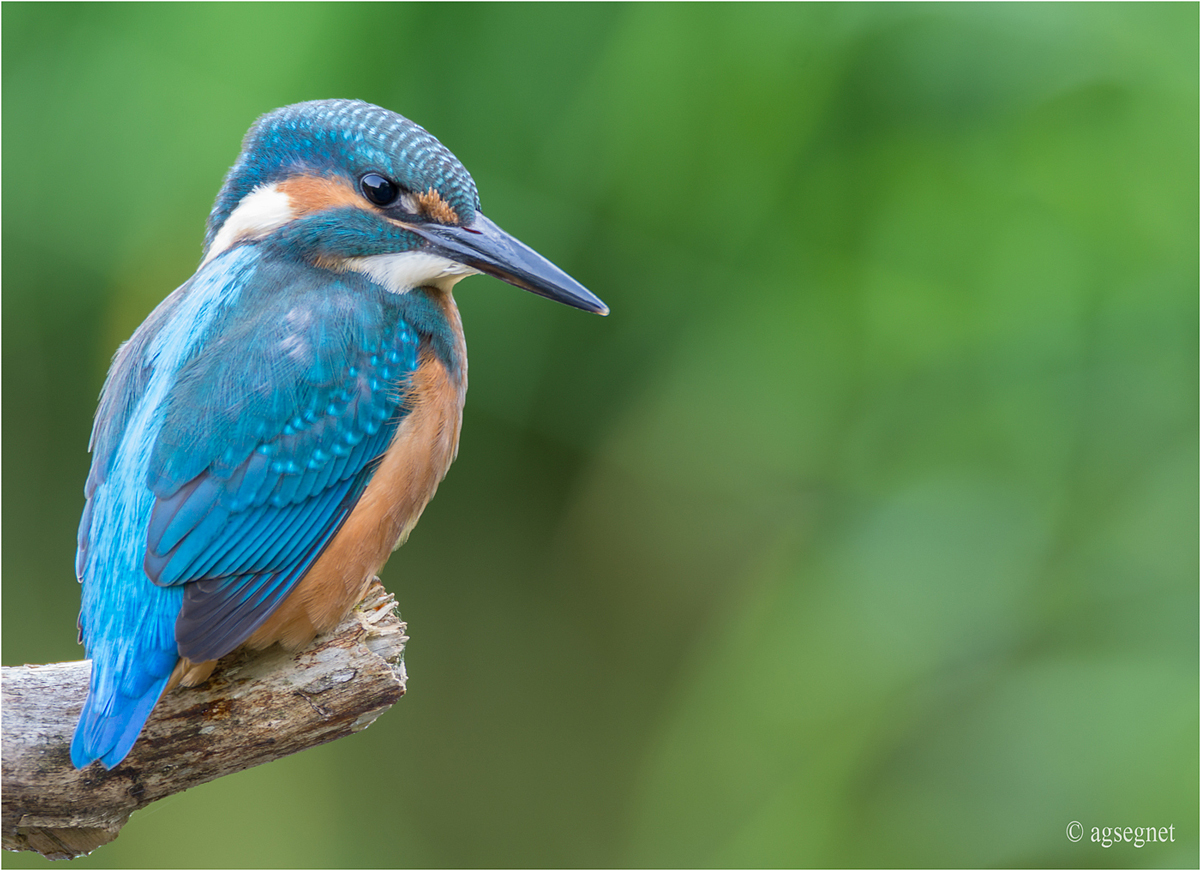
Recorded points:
(379, 190)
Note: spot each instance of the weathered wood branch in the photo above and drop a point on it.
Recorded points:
(256, 707)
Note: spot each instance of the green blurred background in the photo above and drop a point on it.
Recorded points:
(863, 532)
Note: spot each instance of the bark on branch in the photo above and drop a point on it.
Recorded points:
(255, 708)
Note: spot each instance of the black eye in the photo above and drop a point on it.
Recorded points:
(378, 189)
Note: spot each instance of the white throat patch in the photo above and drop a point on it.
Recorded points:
(401, 272)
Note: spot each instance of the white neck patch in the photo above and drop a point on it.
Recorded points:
(264, 210)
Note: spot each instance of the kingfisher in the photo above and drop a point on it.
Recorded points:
(274, 429)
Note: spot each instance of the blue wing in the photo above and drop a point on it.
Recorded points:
(268, 440)
(231, 443)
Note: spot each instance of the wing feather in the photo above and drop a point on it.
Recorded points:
(269, 438)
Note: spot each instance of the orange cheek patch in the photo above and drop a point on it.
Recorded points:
(310, 194)
(432, 205)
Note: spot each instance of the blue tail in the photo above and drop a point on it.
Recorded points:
(117, 707)
(127, 624)
(109, 736)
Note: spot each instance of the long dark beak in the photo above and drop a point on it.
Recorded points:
(486, 247)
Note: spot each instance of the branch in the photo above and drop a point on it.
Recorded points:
(255, 708)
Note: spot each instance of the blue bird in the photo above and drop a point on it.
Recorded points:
(274, 429)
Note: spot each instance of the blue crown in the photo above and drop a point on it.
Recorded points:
(343, 136)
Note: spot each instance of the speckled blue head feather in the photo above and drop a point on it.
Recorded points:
(327, 137)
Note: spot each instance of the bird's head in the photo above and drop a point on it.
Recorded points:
(350, 186)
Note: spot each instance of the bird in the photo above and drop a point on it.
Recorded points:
(274, 429)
